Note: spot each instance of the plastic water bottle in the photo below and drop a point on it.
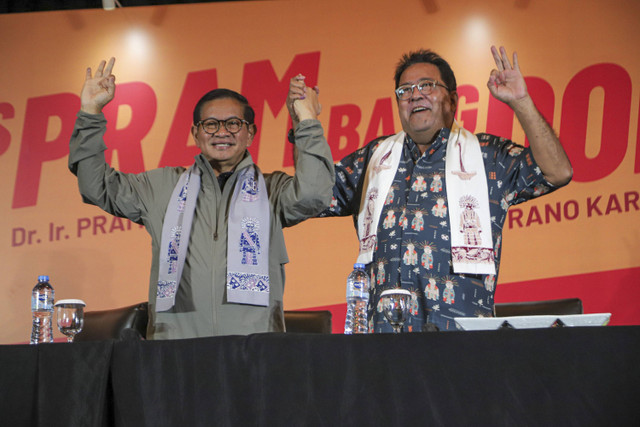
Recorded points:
(357, 301)
(42, 311)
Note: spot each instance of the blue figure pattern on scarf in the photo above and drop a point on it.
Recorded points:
(249, 282)
(414, 252)
(176, 232)
(249, 189)
(250, 241)
(174, 245)
(166, 288)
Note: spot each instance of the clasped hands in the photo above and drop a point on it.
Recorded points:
(302, 101)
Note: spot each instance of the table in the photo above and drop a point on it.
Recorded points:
(550, 377)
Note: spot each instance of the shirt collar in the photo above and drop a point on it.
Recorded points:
(437, 143)
(223, 177)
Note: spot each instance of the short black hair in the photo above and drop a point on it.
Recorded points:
(249, 114)
(429, 57)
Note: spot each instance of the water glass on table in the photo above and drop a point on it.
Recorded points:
(395, 306)
(70, 317)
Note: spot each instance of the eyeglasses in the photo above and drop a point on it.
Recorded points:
(425, 87)
(232, 125)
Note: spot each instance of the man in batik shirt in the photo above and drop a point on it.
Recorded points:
(458, 276)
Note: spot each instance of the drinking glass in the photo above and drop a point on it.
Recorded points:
(395, 306)
(70, 317)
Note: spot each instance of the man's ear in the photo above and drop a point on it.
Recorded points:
(252, 129)
(453, 98)
(194, 134)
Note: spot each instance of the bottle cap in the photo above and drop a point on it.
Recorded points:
(43, 278)
(358, 265)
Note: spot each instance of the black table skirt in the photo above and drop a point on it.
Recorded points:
(541, 377)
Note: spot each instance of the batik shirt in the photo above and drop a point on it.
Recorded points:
(413, 250)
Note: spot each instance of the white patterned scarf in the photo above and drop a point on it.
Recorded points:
(247, 239)
(467, 194)
(377, 181)
(176, 230)
(468, 197)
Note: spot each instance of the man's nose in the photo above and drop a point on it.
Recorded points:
(222, 131)
(415, 93)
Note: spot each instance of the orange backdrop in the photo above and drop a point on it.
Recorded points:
(579, 58)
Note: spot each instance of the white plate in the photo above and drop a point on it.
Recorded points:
(479, 323)
(528, 322)
(595, 319)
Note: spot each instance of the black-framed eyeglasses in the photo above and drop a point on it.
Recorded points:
(232, 125)
(425, 87)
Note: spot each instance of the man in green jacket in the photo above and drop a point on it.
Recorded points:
(218, 250)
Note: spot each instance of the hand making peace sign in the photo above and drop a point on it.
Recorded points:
(98, 90)
(506, 83)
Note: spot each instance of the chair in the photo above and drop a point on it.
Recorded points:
(303, 321)
(529, 308)
(131, 321)
(118, 323)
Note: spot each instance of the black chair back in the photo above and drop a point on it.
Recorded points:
(131, 321)
(117, 323)
(313, 322)
(530, 308)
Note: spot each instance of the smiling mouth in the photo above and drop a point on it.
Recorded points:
(419, 109)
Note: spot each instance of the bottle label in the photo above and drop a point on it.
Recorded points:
(42, 301)
(358, 290)
(358, 285)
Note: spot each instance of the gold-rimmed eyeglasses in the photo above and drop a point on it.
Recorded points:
(425, 87)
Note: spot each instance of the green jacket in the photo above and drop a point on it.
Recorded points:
(201, 308)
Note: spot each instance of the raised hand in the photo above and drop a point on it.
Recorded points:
(506, 83)
(98, 90)
(302, 101)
